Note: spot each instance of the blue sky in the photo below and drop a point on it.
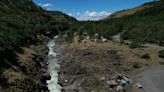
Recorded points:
(89, 9)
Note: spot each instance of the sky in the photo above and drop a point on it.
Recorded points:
(88, 9)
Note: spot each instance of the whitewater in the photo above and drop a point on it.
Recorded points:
(53, 67)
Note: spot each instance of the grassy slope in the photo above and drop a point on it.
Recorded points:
(131, 11)
(145, 25)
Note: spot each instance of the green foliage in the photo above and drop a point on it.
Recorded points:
(161, 63)
(143, 26)
(161, 53)
(18, 6)
(145, 56)
(69, 35)
(22, 23)
(103, 28)
(134, 44)
(137, 65)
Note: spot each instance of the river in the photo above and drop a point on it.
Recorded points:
(53, 67)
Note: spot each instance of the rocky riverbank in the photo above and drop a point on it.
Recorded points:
(30, 72)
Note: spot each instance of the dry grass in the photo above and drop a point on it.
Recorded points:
(131, 61)
(12, 75)
(128, 56)
(26, 56)
(130, 11)
(28, 53)
(24, 59)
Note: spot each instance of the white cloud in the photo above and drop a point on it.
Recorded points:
(70, 14)
(90, 15)
(78, 13)
(47, 6)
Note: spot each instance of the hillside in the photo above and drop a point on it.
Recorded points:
(62, 16)
(25, 28)
(144, 25)
(131, 11)
(22, 20)
(18, 6)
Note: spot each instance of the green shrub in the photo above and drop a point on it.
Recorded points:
(134, 44)
(145, 56)
(161, 53)
(161, 63)
(137, 65)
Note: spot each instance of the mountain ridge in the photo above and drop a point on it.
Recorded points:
(126, 12)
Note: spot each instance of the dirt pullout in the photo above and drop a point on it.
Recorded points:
(152, 78)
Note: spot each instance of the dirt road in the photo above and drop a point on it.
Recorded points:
(154, 46)
(152, 79)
